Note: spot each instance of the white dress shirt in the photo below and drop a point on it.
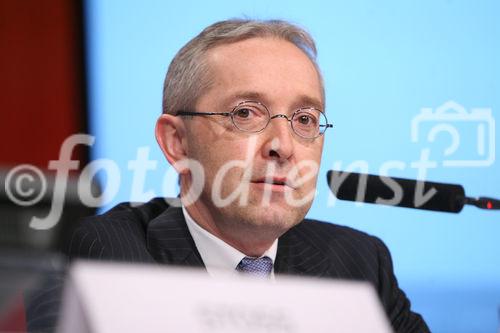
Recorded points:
(220, 258)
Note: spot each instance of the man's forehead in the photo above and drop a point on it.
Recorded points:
(254, 45)
(255, 63)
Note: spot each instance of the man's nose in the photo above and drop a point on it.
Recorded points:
(279, 139)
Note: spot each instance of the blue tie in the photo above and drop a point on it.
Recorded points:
(260, 267)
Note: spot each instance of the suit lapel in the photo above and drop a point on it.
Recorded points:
(169, 240)
(297, 255)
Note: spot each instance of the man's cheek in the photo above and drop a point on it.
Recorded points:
(304, 174)
(230, 183)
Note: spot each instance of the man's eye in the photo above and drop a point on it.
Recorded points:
(305, 119)
(244, 113)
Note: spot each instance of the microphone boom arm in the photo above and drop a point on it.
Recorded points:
(401, 192)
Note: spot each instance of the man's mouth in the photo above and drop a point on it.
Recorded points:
(274, 182)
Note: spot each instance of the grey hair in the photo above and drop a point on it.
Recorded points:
(188, 74)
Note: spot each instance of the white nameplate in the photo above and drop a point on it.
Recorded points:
(122, 298)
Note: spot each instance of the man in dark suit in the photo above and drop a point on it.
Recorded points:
(157, 233)
(243, 124)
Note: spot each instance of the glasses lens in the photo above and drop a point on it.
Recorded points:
(250, 116)
(309, 122)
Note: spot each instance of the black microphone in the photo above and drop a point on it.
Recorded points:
(401, 192)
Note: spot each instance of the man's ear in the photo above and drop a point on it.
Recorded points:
(170, 134)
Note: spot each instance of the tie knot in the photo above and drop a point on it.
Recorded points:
(256, 266)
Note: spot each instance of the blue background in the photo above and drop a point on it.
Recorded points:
(382, 62)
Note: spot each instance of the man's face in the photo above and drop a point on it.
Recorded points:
(272, 174)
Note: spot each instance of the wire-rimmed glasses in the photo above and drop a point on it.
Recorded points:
(254, 117)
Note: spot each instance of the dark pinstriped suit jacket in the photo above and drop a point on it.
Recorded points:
(156, 233)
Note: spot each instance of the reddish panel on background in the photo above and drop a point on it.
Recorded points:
(14, 319)
(41, 86)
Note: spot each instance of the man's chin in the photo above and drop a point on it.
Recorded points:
(283, 203)
(276, 216)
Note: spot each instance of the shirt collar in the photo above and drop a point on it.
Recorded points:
(219, 257)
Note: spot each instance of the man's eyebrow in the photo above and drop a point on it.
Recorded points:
(299, 101)
(306, 100)
(246, 95)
